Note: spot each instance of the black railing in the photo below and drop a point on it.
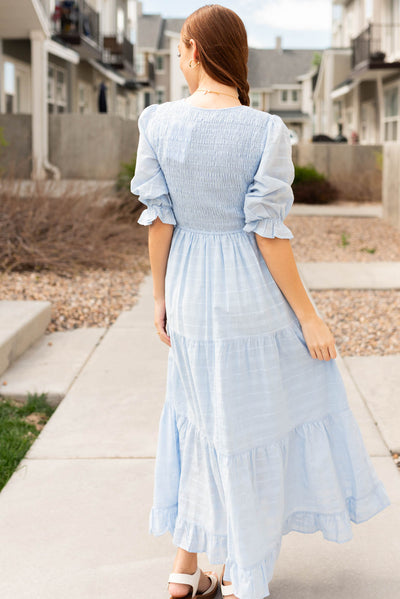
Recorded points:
(117, 54)
(375, 43)
(76, 19)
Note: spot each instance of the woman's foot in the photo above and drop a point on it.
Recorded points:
(186, 563)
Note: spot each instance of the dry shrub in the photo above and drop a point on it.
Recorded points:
(66, 234)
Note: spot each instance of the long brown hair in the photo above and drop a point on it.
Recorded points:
(221, 40)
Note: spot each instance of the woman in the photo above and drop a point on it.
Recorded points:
(256, 437)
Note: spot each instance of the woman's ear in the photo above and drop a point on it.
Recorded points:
(194, 46)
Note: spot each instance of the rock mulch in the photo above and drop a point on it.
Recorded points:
(343, 239)
(363, 322)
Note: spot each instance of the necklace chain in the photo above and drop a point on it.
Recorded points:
(211, 91)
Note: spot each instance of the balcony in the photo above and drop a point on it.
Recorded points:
(118, 55)
(375, 44)
(77, 23)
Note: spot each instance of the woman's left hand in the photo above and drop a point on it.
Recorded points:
(160, 321)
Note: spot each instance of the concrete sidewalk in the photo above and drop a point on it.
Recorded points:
(345, 209)
(74, 516)
(350, 275)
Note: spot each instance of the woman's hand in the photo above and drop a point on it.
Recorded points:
(319, 338)
(160, 320)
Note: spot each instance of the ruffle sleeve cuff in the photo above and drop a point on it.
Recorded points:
(153, 193)
(157, 209)
(269, 227)
(270, 196)
(149, 182)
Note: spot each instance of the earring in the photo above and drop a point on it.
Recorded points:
(196, 65)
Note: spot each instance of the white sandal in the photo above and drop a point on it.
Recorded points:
(226, 589)
(193, 581)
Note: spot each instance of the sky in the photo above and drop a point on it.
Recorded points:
(300, 23)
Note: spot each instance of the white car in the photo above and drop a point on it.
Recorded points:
(294, 138)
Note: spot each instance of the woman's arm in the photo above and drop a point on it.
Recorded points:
(159, 240)
(278, 255)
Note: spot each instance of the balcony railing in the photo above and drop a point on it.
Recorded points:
(375, 43)
(119, 55)
(75, 20)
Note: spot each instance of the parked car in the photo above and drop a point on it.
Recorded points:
(322, 137)
(340, 138)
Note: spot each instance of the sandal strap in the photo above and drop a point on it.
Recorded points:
(227, 589)
(190, 579)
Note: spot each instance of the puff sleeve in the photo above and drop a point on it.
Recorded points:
(270, 196)
(149, 182)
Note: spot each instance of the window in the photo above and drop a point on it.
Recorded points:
(56, 89)
(294, 95)
(255, 99)
(391, 113)
(147, 99)
(159, 62)
(9, 86)
(284, 95)
(160, 96)
(140, 63)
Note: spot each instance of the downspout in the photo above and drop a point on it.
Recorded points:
(53, 169)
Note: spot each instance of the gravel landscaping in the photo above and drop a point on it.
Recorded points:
(363, 322)
(343, 239)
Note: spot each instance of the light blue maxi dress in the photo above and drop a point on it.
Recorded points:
(256, 437)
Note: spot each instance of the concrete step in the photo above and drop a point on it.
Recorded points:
(350, 275)
(51, 364)
(22, 322)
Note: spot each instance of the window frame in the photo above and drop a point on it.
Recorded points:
(157, 58)
(391, 122)
(53, 98)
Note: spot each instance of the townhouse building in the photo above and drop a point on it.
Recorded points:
(281, 80)
(359, 78)
(91, 56)
(65, 56)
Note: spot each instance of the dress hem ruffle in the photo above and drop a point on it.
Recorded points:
(360, 500)
(253, 581)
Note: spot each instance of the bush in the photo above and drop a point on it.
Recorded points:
(307, 173)
(63, 234)
(129, 204)
(311, 187)
(125, 174)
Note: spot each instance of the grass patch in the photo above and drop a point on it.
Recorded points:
(20, 424)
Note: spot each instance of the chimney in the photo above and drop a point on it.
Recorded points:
(278, 43)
